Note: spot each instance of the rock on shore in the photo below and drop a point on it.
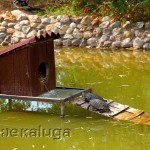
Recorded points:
(18, 25)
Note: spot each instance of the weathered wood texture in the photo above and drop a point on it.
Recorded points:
(19, 65)
(118, 111)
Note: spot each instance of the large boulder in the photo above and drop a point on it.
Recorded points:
(103, 39)
(31, 34)
(35, 25)
(86, 20)
(76, 42)
(59, 17)
(106, 18)
(68, 36)
(65, 19)
(126, 43)
(146, 46)
(83, 42)
(63, 29)
(2, 36)
(46, 21)
(1, 18)
(73, 25)
(92, 42)
(58, 42)
(127, 25)
(146, 40)
(140, 25)
(8, 17)
(116, 44)
(19, 34)
(55, 30)
(139, 33)
(97, 32)
(16, 13)
(18, 27)
(116, 24)
(138, 43)
(26, 29)
(53, 19)
(69, 31)
(147, 25)
(4, 24)
(104, 24)
(107, 43)
(58, 24)
(49, 27)
(112, 38)
(78, 35)
(14, 39)
(127, 33)
(107, 31)
(67, 42)
(119, 37)
(95, 22)
(34, 19)
(89, 28)
(22, 17)
(87, 34)
(24, 22)
(6, 41)
(8, 38)
(2, 29)
(10, 25)
(10, 30)
(75, 19)
(116, 31)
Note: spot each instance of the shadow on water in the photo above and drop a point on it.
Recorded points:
(118, 75)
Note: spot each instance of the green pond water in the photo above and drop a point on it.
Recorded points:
(119, 75)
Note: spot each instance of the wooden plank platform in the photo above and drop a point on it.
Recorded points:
(118, 111)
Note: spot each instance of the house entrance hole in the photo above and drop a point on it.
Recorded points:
(43, 72)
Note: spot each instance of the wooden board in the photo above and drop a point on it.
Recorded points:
(142, 118)
(123, 116)
(7, 77)
(135, 113)
(22, 75)
(115, 111)
(119, 111)
(51, 64)
(147, 123)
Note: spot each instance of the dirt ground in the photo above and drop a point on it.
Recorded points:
(7, 5)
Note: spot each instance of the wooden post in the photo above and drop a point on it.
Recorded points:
(10, 104)
(62, 109)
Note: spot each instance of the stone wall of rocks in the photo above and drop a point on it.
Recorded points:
(77, 31)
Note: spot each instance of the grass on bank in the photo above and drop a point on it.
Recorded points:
(131, 10)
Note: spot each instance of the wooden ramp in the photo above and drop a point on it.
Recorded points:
(119, 111)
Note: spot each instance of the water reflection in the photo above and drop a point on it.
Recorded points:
(121, 75)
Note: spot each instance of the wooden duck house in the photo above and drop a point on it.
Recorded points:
(28, 68)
